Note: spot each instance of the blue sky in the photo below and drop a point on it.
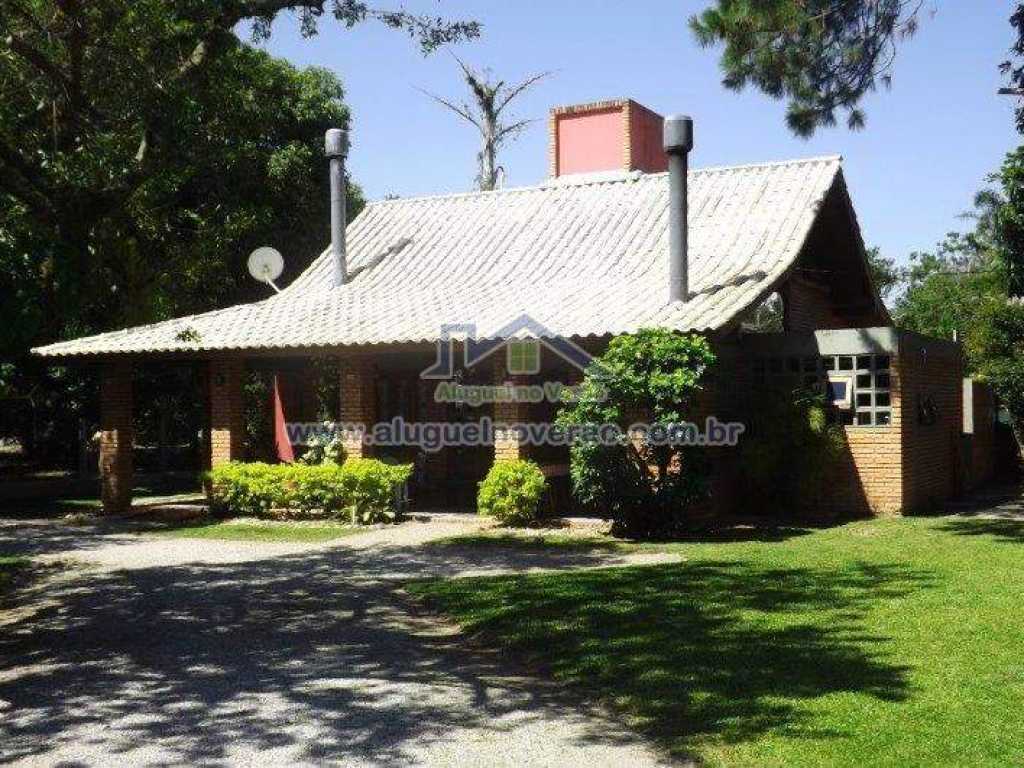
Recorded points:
(928, 145)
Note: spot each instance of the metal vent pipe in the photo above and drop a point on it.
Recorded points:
(678, 141)
(336, 148)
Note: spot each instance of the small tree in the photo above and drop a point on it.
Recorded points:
(646, 489)
(490, 100)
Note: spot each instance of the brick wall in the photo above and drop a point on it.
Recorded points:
(866, 479)
(979, 432)
(227, 410)
(358, 394)
(116, 436)
(903, 466)
(610, 135)
(931, 383)
(806, 305)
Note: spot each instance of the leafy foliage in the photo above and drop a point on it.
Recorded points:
(789, 449)
(1008, 221)
(885, 275)
(945, 289)
(995, 345)
(823, 56)
(430, 32)
(644, 488)
(511, 492)
(1013, 68)
(360, 490)
(144, 151)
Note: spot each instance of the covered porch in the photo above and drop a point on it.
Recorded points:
(250, 396)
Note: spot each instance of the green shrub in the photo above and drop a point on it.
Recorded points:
(511, 492)
(249, 489)
(370, 487)
(647, 489)
(360, 490)
(313, 490)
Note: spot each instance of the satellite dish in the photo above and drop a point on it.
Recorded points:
(266, 265)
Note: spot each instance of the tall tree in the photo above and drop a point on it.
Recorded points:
(1007, 221)
(144, 149)
(823, 56)
(1013, 68)
(116, 115)
(490, 100)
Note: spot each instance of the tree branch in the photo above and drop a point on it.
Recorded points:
(516, 90)
(508, 130)
(462, 111)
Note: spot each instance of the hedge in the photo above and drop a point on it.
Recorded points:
(360, 490)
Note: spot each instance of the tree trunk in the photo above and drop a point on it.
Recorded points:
(1017, 428)
(488, 168)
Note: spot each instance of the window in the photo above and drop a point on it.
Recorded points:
(524, 357)
(858, 386)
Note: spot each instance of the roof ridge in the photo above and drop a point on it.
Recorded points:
(597, 178)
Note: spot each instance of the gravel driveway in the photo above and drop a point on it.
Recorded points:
(156, 651)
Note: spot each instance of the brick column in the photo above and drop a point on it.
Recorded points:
(506, 445)
(116, 437)
(358, 394)
(227, 410)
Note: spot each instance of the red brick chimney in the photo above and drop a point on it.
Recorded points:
(616, 135)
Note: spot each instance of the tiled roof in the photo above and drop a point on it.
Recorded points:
(582, 256)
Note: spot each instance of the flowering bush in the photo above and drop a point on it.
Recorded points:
(324, 449)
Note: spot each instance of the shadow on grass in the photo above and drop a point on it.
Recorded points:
(1008, 530)
(535, 540)
(529, 542)
(10, 569)
(696, 653)
(745, 531)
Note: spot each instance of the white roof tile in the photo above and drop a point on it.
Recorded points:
(585, 256)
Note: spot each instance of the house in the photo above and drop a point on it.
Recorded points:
(612, 242)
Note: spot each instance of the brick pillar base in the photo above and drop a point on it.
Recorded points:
(358, 395)
(506, 444)
(116, 437)
(227, 411)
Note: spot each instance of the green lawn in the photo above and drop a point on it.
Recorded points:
(878, 643)
(268, 531)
